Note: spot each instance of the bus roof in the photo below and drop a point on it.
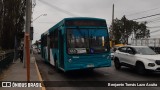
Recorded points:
(72, 18)
(83, 18)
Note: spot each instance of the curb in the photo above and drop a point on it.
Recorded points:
(39, 77)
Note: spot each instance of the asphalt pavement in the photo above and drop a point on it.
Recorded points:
(49, 73)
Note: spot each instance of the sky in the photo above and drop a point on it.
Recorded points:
(57, 10)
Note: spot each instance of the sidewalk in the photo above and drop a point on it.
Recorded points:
(17, 72)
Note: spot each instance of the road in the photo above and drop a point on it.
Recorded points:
(48, 73)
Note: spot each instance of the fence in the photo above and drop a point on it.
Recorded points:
(6, 58)
(153, 43)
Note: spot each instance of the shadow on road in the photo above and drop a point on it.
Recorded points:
(131, 71)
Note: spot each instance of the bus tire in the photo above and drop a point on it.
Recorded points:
(56, 64)
(90, 69)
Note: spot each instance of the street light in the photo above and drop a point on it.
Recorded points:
(39, 16)
(31, 28)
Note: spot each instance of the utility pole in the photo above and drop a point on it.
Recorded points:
(27, 38)
(112, 39)
(126, 31)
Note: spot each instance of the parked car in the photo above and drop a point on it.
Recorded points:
(142, 58)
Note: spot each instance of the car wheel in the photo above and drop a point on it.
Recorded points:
(117, 64)
(140, 68)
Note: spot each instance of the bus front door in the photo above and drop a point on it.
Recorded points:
(48, 48)
(61, 48)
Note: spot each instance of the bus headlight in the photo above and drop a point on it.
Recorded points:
(70, 60)
(103, 55)
(109, 57)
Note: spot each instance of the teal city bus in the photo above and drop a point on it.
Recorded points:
(77, 43)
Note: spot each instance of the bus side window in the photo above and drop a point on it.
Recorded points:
(55, 37)
(45, 40)
(51, 40)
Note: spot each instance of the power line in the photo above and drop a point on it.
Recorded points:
(157, 18)
(155, 31)
(142, 11)
(39, 16)
(57, 8)
(154, 21)
(151, 20)
(147, 16)
(154, 27)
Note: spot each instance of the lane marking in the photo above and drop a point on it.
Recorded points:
(39, 76)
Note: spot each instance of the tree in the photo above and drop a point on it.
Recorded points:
(1, 20)
(11, 22)
(123, 28)
(142, 31)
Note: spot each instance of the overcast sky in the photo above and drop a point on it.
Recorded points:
(56, 10)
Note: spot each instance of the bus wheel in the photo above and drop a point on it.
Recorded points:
(55, 64)
(90, 69)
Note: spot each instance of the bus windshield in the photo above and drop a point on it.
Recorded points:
(87, 41)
